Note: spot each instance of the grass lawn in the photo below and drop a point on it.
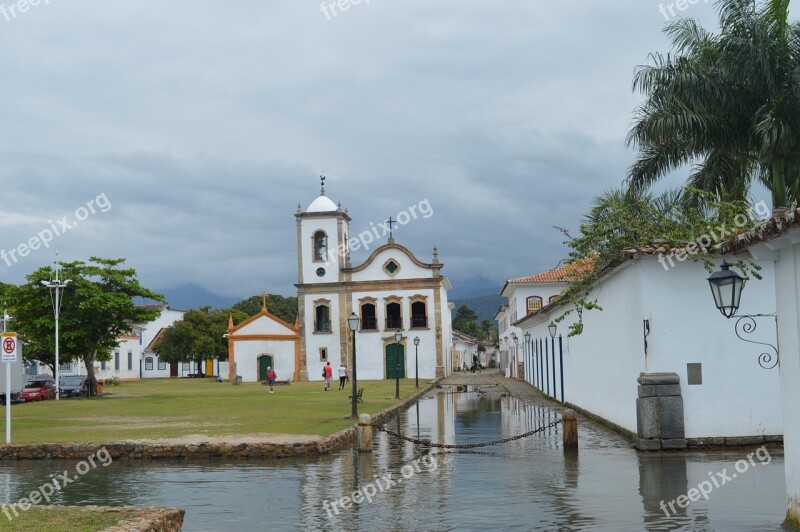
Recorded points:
(170, 408)
(51, 519)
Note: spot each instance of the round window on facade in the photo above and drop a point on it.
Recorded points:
(320, 272)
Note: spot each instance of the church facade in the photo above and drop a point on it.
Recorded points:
(391, 291)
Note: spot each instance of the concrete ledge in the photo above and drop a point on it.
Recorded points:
(201, 451)
(733, 441)
(625, 433)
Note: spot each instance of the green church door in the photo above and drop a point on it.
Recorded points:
(264, 362)
(393, 353)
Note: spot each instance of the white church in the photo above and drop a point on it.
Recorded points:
(391, 291)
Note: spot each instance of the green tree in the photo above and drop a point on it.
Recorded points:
(97, 308)
(487, 330)
(727, 103)
(624, 222)
(198, 336)
(465, 319)
(284, 308)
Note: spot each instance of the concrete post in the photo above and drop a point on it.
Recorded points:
(569, 430)
(364, 434)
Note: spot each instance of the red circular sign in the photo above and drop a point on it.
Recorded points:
(9, 345)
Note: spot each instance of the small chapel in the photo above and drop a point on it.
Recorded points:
(391, 292)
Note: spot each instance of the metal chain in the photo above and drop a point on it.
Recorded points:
(426, 443)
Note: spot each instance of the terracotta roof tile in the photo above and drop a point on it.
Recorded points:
(565, 273)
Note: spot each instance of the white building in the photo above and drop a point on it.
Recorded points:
(525, 296)
(465, 347)
(778, 240)
(391, 291)
(131, 360)
(261, 342)
(658, 320)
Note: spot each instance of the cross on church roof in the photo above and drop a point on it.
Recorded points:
(264, 297)
(322, 181)
(391, 225)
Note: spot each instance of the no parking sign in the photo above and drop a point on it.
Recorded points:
(8, 342)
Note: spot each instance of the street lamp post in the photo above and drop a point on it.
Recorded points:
(416, 359)
(516, 354)
(352, 324)
(528, 367)
(57, 287)
(397, 337)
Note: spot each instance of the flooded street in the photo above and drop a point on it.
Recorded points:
(528, 484)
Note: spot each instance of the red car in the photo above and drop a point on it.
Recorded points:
(38, 391)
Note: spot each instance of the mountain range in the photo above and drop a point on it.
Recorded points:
(479, 293)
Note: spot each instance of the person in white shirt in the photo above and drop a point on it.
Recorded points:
(342, 376)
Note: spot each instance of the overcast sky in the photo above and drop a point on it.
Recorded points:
(198, 127)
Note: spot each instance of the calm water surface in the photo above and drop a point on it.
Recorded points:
(528, 484)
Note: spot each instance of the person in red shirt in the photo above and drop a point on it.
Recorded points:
(271, 378)
(327, 373)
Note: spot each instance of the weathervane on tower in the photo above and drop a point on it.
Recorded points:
(322, 184)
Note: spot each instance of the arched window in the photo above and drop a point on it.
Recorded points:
(394, 316)
(534, 304)
(419, 315)
(320, 245)
(322, 319)
(369, 321)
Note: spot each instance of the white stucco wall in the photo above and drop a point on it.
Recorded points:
(330, 263)
(370, 351)
(246, 353)
(737, 397)
(787, 289)
(408, 269)
(315, 341)
(155, 373)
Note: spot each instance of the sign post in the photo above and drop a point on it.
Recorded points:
(8, 352)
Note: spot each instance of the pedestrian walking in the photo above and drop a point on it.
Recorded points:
(342, 376)
(327, 374)
(271, 378)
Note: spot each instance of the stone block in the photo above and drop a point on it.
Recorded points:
(679, 443)
(643, 444)
(659, 378)
(668, 390)
(648, 390)
(648, 417)
(671, 409)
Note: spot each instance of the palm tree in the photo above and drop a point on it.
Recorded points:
(727, 103)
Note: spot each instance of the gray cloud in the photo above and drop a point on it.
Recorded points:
(205, 123)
